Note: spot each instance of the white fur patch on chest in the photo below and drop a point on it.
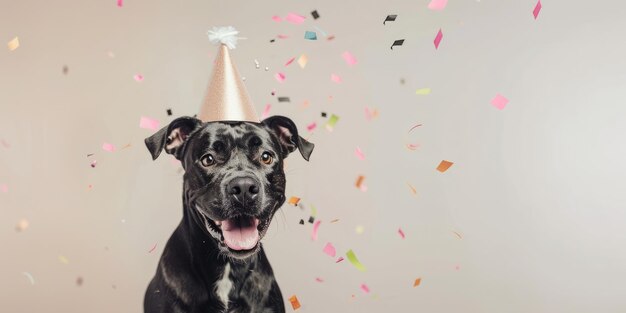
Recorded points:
(223, 286)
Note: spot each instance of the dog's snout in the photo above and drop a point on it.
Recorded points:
(245, 187)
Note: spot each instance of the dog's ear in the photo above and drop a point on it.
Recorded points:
(287, 133)
(172, 136)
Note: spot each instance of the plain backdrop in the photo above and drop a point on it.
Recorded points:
(529, 218)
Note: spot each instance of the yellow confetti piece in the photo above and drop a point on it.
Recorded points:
(295, 304)
(303, 60)
(14, 44)
(294, 200)
(352, 258)
(417, 282)
(444, 166)
(22, 225)
(313, 211)
(63, 259)
(359, 230)
(423, 91)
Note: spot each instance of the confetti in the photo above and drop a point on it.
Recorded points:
(349, 58)
(316, 227)
(370, 114)
(444, 166)
(315, 14)
(4, 188)
(153, 248)
(438, 39)
(5, 143)
(63, 259)
(360, 183)
(169, 112)
(458, 235)
(423, 91)
(330, 250)
(414, 127)
(277, 18)
(295, 18)
(359, 154)
(390, 18)
(284, 99)
(339, 259)
(330, 125)
(30, 277)
(108, 147)
(311, 219)
(14, 44)
(334, 221)
(280, 77)
(437, 5)
(413, 191)
(120, 3)
(313, 211)
(320, 30)
(303, 60)
(79, 281)
(398, 42)
(401, 233)
(311, 126)
(301, 222)
(335, 78)
(266, 111)
(499, 102)
(359, 229)
(352, 258)
(138, 77)
(319, 280)
(309, 35)
(537, 9)
(295, 304)
(22, 225)
(323, 114)
(365, 289)
(412, 146)
(65, 69)
(290, 61)
(93, 163)
(148, 123)
(331, 37)
(417, 282)
(294, 201)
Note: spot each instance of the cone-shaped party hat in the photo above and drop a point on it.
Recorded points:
(226, 97)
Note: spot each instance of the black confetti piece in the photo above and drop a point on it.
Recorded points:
(315, 14)
(397, 43)
(390, 18)
(311, 219)
(284, 99)
(169, 112)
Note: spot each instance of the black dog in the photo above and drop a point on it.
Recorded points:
(233, 184)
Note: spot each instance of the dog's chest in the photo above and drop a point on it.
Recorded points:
(223, 286)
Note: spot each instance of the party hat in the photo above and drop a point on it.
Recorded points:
(226, 98)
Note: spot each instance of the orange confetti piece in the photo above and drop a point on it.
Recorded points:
(444, 166)
(295, 304)
(294, 201)
(14, 44)
(417, 282)
(359, 183)
(413, 191)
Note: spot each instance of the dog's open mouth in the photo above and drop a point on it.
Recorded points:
(240, 233)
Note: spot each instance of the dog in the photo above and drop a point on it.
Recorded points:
(233, 183)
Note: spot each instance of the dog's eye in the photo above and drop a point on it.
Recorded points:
(267, 158)
(207, 160)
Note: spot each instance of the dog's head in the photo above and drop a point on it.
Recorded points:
(234, 179)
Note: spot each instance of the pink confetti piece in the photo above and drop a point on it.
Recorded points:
(319, 280)
(437, 5)
(438, 39)
(153, 248)
(120, 3)
(277, 18)
(5, 144)
(4, 188)
(335, 78)
(339, 259)
(108, 147)
(93, 163)
(280, 77)
(295, 18)
(290, 61)
(349, 58)
(370, 114)
(365, 289)
(281, 36)
(359, 154)
(311, 126)
(401, 233)
(138, 77)
(499, 102)
(316, 227)
(266, 111)
(148, 123)
(412, 146)
(329, 249)
(537, 9)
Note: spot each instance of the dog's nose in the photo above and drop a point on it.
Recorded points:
(243, 186)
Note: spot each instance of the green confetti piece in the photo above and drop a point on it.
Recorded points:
(423, 91)
(313, 211)
(331, 122)
(352, 258)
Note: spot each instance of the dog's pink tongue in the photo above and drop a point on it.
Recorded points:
(240, 234)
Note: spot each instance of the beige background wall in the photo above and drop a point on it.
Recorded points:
(535, 192)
